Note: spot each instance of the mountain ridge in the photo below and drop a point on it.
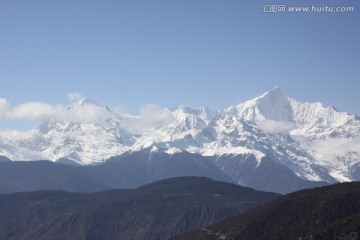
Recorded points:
(330, 212)
(156, 211)
(316, 143)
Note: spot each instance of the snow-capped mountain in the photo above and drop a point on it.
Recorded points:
(314, 142)
(85, 142)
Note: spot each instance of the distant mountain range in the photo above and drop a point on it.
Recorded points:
(156, 211)
(331, 212)
(271, 143)
(123, 172)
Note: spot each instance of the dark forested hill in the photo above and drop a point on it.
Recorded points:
(331, 212)
(155, 211)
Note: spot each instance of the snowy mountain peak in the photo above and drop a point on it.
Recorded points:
(83, 102)
(89, 111)
(203, 113)
(272, 105)
(333, 108)
(274, 93)
(87, 103)
(308, 138)
(315, 114)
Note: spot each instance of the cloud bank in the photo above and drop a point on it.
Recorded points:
(28, 111)
(17, 135)
(151, 116)
(89, 113)
(74, 96)
(274, 127)
(84, 111)
(337, 145)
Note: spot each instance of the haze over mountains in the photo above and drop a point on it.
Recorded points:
(264, 143)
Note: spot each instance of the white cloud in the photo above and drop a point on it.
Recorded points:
(151, 116)
(17, 135)
(274, 127)
(34, 110)
(337, 145)
(4, 108)
(27, 111)
(154, 116)
(74, 96)
(90, 113)
(119, 109)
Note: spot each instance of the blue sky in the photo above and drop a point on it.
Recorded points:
(177, 52)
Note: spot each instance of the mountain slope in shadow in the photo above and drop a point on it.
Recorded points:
(21, 176)
(156, 211)
(331, 212)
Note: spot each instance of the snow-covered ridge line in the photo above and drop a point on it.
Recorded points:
(293, 134)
